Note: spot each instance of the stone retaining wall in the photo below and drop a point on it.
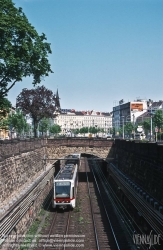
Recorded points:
(62, 151)
(143, 164)
(18, 171)
(29, 208)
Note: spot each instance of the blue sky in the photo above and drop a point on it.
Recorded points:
(102, 50)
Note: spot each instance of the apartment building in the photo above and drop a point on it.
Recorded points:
(128, 112)
(69, 120)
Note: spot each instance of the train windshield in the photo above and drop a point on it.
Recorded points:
(62, 189)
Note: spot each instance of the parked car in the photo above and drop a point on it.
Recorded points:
(109, 136)
(139, 136)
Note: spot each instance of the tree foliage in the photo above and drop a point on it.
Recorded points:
(5, 106)
(22, 51)
(83, 130)
(146, 126)
(94, 130)
(158, 119)
(128, 128)
(44, 125)
(4, 123)
(38, 103)
(55, 129)
(17, 122)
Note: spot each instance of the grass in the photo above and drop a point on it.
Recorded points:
(30, 235)
(77, 208)
(32, 231)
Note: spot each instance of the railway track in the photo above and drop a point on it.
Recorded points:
(104, 234)
(119, 213)
(85, 227)
(97, 222)
(55, 232)
(154, 218)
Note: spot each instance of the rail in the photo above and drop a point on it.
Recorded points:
(119, 210)
(93, 218)
(124, 216)
(153, 216)
(11, 218)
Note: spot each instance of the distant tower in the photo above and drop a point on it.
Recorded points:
(57, 102)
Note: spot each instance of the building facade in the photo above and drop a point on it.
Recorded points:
(151, 110)
(128, 112)
(70, 120)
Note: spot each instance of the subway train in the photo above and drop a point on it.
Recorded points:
(66, 182)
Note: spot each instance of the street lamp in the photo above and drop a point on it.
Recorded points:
(128, 118)
(134, 126)
(151, 115)
(123, 126)
(105, 128)
(65, 128)
(96, 129)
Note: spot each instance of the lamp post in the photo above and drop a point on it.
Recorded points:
(151, 115)
(96, 129)
(123, 126)
(105, 128)
(65, 128)
(71, 128)
(134, 126)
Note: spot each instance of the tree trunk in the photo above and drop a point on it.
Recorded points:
(35, 123)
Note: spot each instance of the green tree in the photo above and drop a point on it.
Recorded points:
(22, 51)
(38, 103)
(146, 125)
(113, 131)
(44, 125)
(102, 130)
(5, 106)
(76, 131)
(83, 130)
(4, 124)
(94, 130)
(17, 122)
(128, 128)
(55, 129)
(120, 130)
(158, 119)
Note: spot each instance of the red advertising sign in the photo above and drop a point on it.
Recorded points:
(137, 106)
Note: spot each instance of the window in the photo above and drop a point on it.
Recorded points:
(62, 189)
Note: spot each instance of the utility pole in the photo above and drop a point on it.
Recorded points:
(134, 126)
(123, 126)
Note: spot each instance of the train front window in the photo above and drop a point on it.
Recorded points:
(62, 189)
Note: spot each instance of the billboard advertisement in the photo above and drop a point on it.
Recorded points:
(136, 106)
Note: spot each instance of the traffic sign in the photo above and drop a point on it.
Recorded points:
(156, 129)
